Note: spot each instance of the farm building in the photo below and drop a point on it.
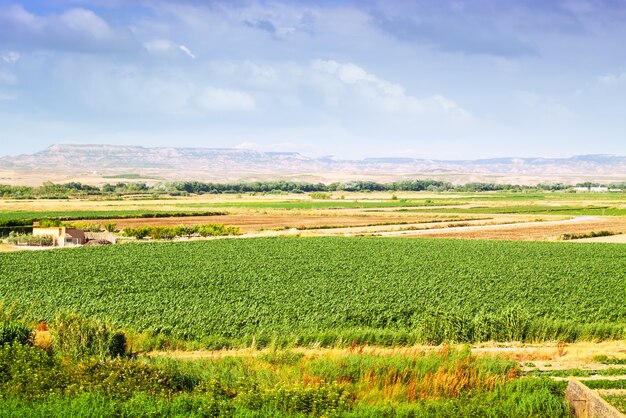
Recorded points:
(62, 235)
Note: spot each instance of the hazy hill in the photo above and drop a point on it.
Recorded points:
(225, 163)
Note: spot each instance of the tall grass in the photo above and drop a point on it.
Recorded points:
(283, 384)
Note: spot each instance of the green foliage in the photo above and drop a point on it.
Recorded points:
(87, 226)
(46, 223)
(35, 383)
(171, 232)
(319, 196)
(110, 226)
(617, 401)
(593, 234)
(333, 291)
(604, 359)
(77, 337)
(12, 331)
(24, 218)
(606, 384)
(30, 239)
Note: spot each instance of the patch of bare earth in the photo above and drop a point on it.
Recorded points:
(256, 221)
(536, 231)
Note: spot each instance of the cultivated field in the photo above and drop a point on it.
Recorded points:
(450, 215)
(357, 305)
(302, 290)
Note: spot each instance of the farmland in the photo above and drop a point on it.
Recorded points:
(350, 213)
(359, 304)
(381, 291)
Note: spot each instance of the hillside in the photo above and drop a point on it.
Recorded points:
(228, 164)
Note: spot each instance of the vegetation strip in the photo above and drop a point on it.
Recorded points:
(332, 290)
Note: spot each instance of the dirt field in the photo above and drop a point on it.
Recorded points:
(255, 222)
(249, 213)
(534, 231)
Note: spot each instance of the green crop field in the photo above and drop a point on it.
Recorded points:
(17, 218)
(385, 291)
(535, 210)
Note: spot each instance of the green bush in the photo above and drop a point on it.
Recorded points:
(320, 196)
(30, 240)
(167, 232)
(110, 226)
(14, 332)
(78, 337)
(87, 226)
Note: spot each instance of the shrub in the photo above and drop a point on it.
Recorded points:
(320, 196)
(593, 234)
(30, 240)
(14, 332)
(86, 226)
(77, 337)
(110, 226)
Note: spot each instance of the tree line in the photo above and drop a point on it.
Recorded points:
(49, 190)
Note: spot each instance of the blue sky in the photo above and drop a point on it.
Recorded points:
(428, 79)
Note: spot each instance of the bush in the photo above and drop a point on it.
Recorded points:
(593, 234)
(320, 196)
(167, 232)
(46, 223)
(86, 226)
(31, 240)
(139, 233)
(14, 332)
(110, 226)
(77, 337)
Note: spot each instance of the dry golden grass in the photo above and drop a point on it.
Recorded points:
(4, 248)
(560, 355)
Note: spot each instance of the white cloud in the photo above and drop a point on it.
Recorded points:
(385, 95)
(20, 16)
(186, 51)
(546, 105)
(612, 79)
(165, 46)
(11, 57)
(7, 78)
(5, 97)
(86, 22)
(216, 99)
(158, 46)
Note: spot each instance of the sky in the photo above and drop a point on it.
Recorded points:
(446, 79)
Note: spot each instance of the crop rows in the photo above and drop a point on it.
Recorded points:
(410, 290)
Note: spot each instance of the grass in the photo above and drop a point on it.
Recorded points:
(18, 218)
(536, 210)
(447, 383)
(618, 402)
(606, 384)
(578, 372)
(333, 204)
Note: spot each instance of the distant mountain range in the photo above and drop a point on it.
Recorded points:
(226, 163)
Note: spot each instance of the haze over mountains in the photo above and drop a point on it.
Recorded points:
(221, 164)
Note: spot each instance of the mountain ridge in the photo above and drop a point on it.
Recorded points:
(202, 163)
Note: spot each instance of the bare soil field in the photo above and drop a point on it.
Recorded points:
(534, 231)
(249, 222)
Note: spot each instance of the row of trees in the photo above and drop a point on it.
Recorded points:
(188, 231)
(50, 190)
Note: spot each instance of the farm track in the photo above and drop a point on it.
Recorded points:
(560, 357)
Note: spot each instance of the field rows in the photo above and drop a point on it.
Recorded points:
(240, 288)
